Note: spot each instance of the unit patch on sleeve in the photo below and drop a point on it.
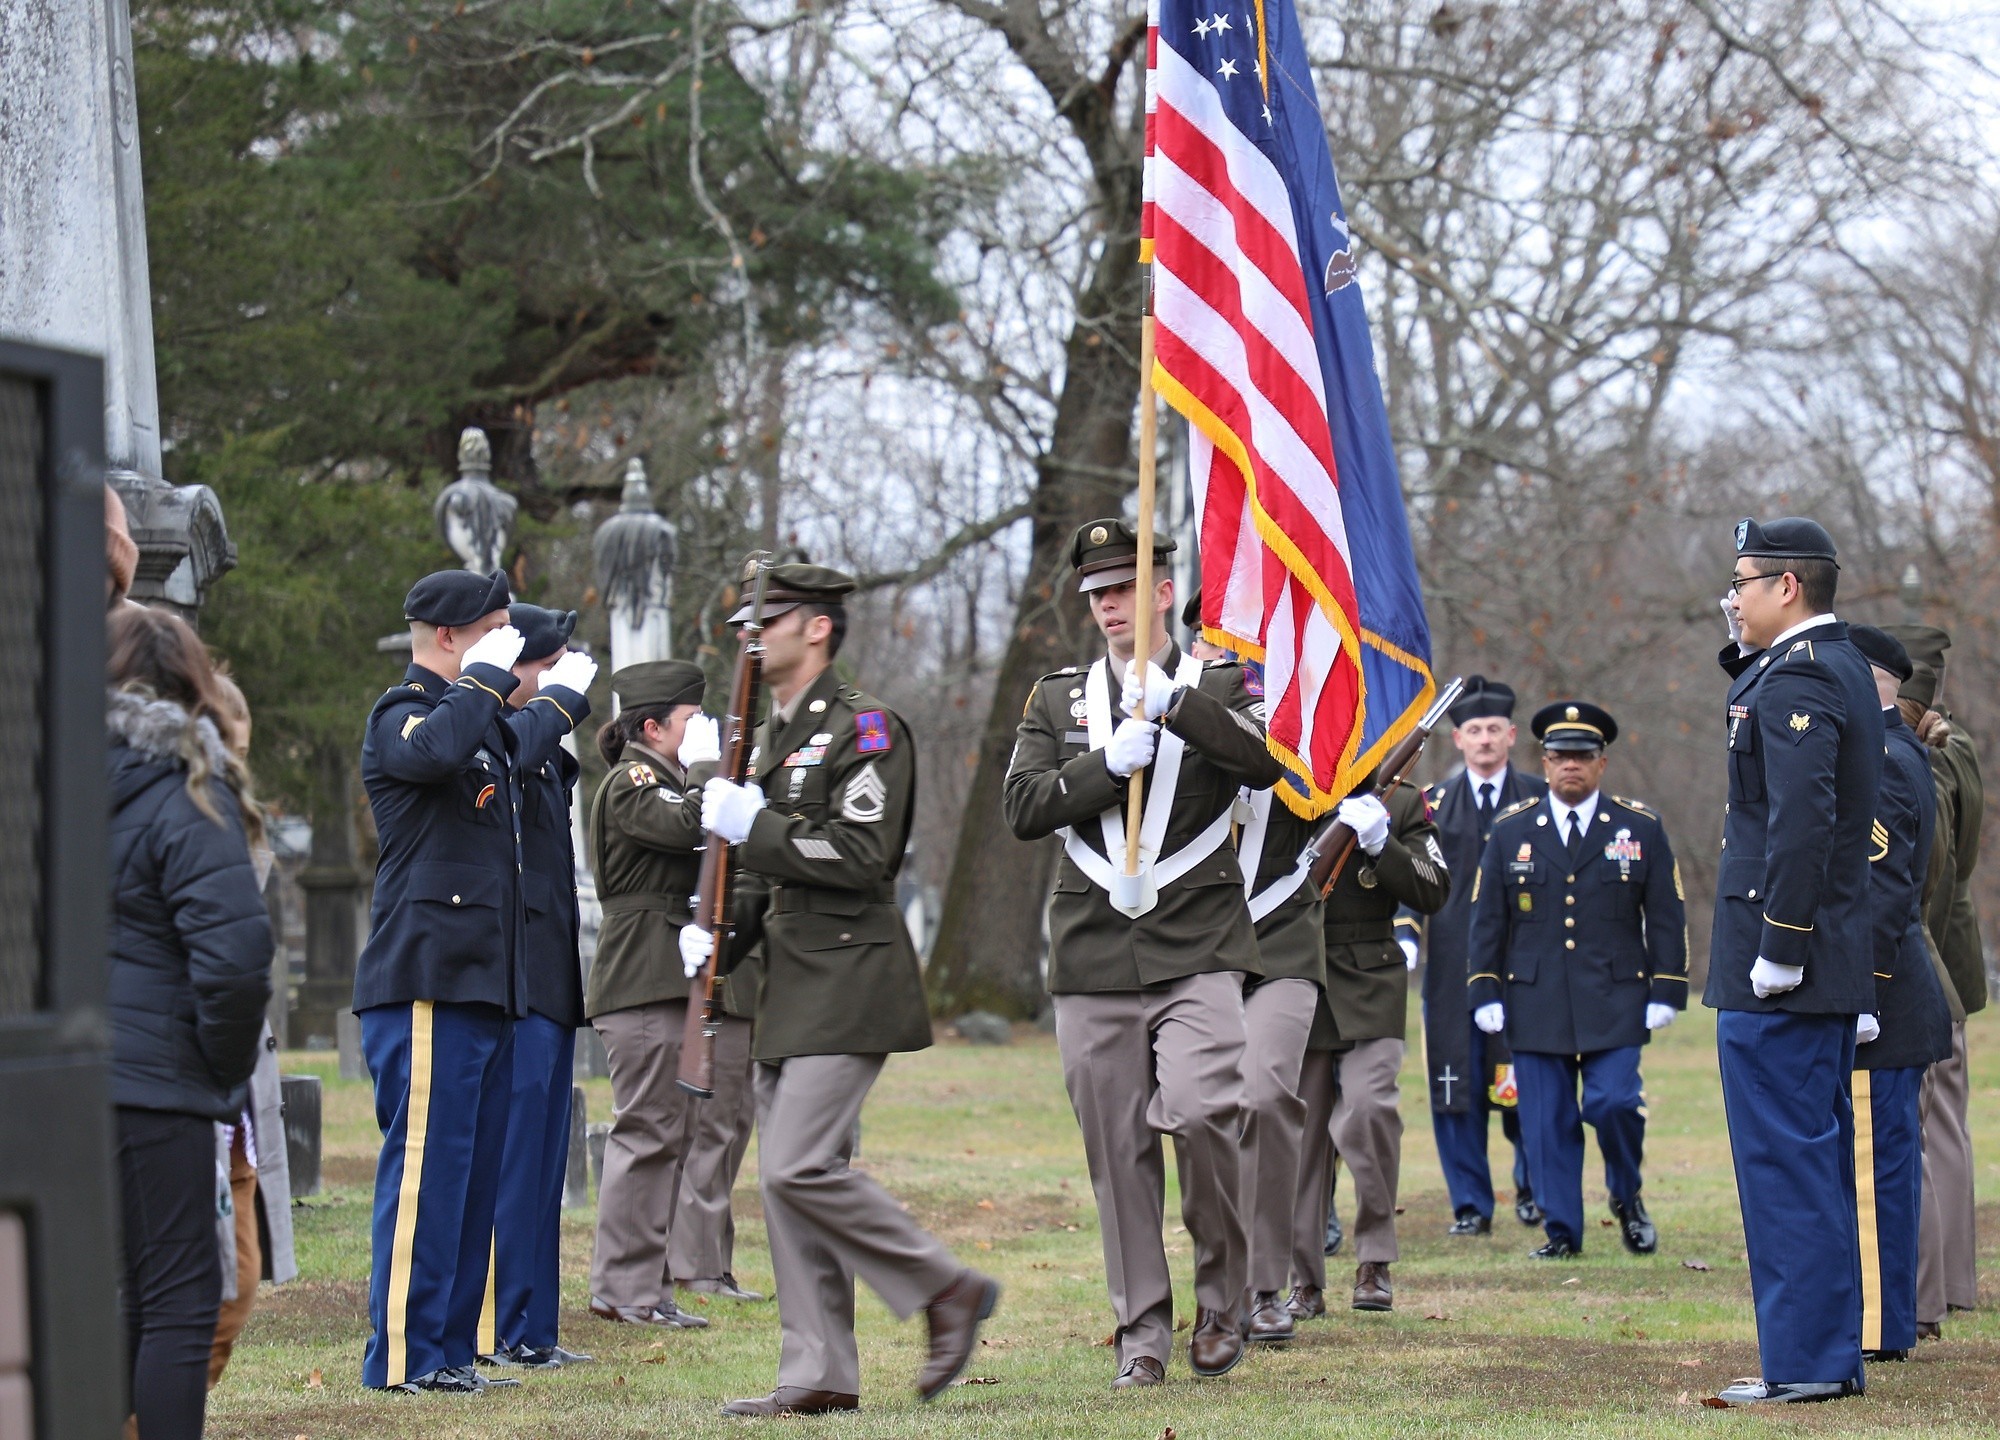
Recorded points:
(871, 732)
(640, 773)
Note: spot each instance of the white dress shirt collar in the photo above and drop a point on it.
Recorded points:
(1585, 813)
(1498, 780)
(1801, 628)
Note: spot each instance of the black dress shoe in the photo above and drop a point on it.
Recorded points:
(791, 1400)
(1761, 1392)
(1554, 1250)
(452, 1380)
(1525, 1209)
(1334, 1233)
(1471, 1223)
(541, 1357)
(1635, 1226)
(1884, 1357)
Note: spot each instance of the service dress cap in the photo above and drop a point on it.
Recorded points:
(543, 631)
(1792, 538)
(1882, 650)
(1105, 553)
(791, 585)
(659, 682)
(1482, 698)
(455, 597)
(1574, 725)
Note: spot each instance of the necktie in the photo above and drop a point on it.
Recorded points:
(1575, 835)
(1485, 803)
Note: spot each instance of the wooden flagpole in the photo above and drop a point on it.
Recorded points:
(1142, 584)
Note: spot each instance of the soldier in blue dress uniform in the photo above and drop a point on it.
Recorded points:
(442, 976)
(1462, 1062)
(519, 1324)
(1791, 961)
(1578, 953)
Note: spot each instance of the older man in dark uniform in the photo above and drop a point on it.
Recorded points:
(1791, 962)
(443, 973)
(842, 990)
(1149, 997)
(1465, 1064)
(519, 1323)
(1579, 952)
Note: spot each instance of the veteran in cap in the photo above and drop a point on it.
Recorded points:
(1149, 998)
(1579, 953)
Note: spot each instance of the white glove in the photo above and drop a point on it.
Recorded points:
(1409, 952)
(696, 946)
(1767, 979)
(1866, 1028)
(498, 648)
(1491, 1017)
(1731, 619)
(701, 742)
(1131, 747)
(1150, 686)
(1658, 1016)
(728, 810)
(574, 671)
(1368, 818)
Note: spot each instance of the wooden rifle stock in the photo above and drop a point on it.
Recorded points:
(696, 1073)
(1334, 846)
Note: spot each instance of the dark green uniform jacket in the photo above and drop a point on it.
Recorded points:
(841, 975)
(1948, 911)
(645, 827)
(1201, 922)
(1367, 979)
(1291, 941)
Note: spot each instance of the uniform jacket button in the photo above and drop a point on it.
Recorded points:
(1569, 944)
(454, 899)
(1570, 879)
(845, 935)
(1753, 894)
(1569, 899)
(1569, 922)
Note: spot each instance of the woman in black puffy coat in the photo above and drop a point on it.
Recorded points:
(190, 950)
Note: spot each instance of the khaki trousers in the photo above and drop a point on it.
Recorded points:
(235, 1314)
(1277, 1019)
(828, 1222)
(634, 1259)
(1139, 1064)
(1947, 1244)
(1351, 1102)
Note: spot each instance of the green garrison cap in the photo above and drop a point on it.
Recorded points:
(789, 586)
(659, 682)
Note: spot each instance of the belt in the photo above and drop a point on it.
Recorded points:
(630, 904)
(1361, 932)
(793, 899)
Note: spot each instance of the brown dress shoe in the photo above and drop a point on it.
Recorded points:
(1140, 1370)
(1216, 1344)
(954, 1317)
(1308, 1302)
(668, 1315)
(1270, 1322)
(724, 1285)
(792, 1400)
(1929, 1330)
(1371, 1286)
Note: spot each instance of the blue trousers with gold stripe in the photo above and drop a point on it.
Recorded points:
(442, 1074)
(1888, 1190)
(527, 1218)
(1552, 1128)
(1785, 1092)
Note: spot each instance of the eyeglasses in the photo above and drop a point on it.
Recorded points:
(1737, 583)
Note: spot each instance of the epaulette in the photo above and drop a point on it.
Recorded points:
(1435, 793)
(1796, 646)
(1518, 806)
(1638, 805)
(1066, 670)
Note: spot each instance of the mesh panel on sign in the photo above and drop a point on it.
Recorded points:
(21, 694)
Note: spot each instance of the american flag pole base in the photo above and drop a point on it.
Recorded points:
(1134, 895)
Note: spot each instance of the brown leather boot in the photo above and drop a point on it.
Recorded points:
(954, 1318)
(1270, 1322)
(1216, 1344)
(1372, 1290)
(1308, 1302)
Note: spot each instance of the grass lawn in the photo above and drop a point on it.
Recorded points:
(982, 1145)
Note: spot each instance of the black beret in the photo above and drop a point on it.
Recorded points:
(789, 586)
(543, 632)
(1574, 725)
(659, 682)
(1788, 539)
(455, 597)
(1106, 553)
(1482, 698)
(1882, 650)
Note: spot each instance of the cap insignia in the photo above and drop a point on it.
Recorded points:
(1098, 534)
(1571, 713)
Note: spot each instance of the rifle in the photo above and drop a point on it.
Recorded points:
(696, 1074)
(1328, 854)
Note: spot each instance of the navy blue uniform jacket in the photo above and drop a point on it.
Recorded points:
(548, 779)
(1916, 1021)
(1577, 949)
(447, 920)
(1804, 728)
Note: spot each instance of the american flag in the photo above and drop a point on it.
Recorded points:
(1262, 343)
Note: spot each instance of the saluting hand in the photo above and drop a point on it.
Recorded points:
(696, 946)
(729, 810)
(574, 671)
(498, 648)
(1149, 686)
(701, 742)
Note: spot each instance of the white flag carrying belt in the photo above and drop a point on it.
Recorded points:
(1166, 769)
(1250, 854)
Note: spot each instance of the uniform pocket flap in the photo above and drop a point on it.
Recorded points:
(1742, 877)
(875, 925)
(459, 885)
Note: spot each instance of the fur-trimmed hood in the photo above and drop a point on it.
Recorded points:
(158, 734)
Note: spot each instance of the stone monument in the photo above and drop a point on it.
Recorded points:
(73, 264)
(474, 516)
(634, 551)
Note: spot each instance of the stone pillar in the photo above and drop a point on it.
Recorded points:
(73, 264)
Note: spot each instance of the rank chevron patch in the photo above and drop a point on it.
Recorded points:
(865, 798)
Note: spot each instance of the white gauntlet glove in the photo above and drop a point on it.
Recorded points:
(1730, 618)
(574, 671)
(1866, 1028)
(696, 946)
(1148, 685)
(498, 648)
(1368, 818)
(701, 742)
(1491, 1017)
(1131, 748)
(1658, 1016)
(1767, 979)
(728, 810)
